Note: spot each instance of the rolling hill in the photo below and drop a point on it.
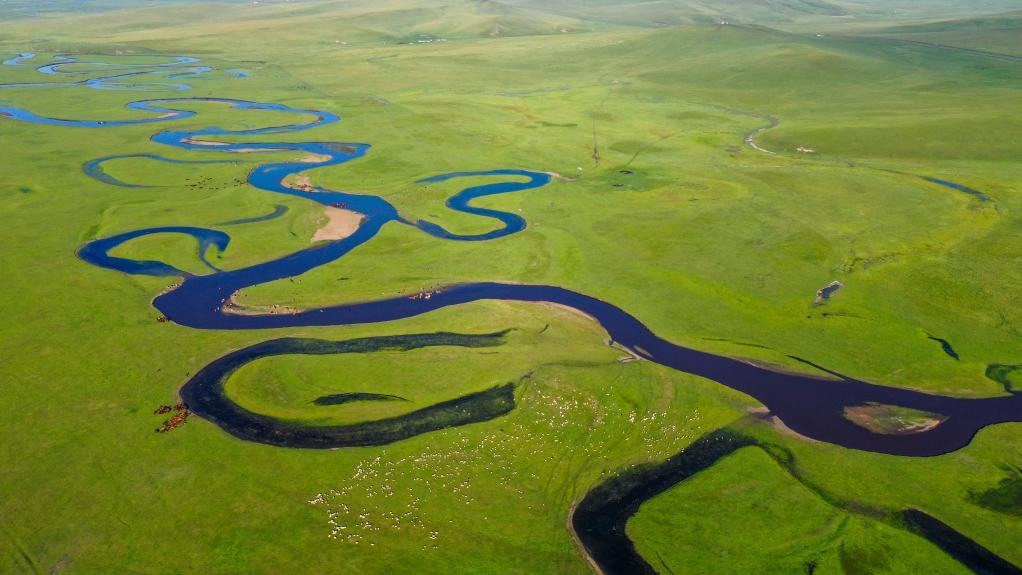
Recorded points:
(1001, 33)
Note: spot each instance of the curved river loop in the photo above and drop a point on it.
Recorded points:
(811, 406)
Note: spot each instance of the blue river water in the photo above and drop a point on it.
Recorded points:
(94, 168)
(98, 252)
(955, 186)
(811, 406)
(124, 77)
(278, 210)
(17, 60)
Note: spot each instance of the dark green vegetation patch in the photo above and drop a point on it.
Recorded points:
(342, 398)
(1010, 376)
(1006, 497)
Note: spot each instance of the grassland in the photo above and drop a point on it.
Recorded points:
(709, 242)
(777, 525)
(996, 35)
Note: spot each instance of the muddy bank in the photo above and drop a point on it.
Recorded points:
(340, 223)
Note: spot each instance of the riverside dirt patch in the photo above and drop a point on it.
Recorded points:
(340, 224)
(892, 420)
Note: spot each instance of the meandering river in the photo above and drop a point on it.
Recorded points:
(811, 406)
(808, 405)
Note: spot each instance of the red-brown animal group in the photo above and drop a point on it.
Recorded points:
(177, 420)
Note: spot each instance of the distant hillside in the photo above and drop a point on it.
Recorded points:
(994, 23)
(329, 21)
(1000, 33)
(491, 18)
(787, 14)
(527, 17)
(35, 8)
(674, 12)
(408, 19)
(357, 22)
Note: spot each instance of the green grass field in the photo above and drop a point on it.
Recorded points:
(709, 242)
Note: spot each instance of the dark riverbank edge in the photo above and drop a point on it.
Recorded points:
(599, 521)
(342, 398)
(206, 396)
